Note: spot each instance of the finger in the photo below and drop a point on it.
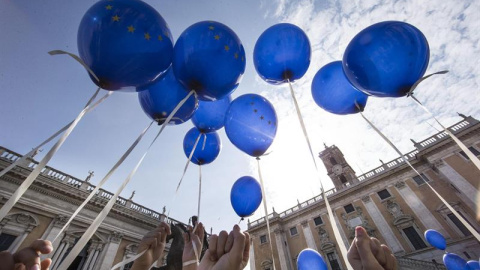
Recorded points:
(19, 266)
(29, 257)
(222, 240)
(246, 250)
(377, 251)
(165, 226)
(238, 244)
(200, 232)
(45, 264)
(229, 243)
(390, 261)
(364, 249)
(42, 246)
(213, 248)
(7, 260)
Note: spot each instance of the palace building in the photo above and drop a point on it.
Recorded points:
(48, 204)
(391, 202)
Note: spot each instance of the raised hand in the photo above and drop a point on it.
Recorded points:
(154, 243)
(193, 241)
(27, 258)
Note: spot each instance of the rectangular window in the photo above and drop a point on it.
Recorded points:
(263, 239)
(332, 259)
(473, 150)
(459, 224)
(333, 161)
(6, 240)
(383, 194)
(293, 231)
(420, 180)
(414, 238)
(349, 208)
(318, 221)
(343, 179)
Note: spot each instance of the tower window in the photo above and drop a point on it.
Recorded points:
(343, 179)
(263, 239)
(318, 221)
(459, 224)
(473, 150)
(383, 194)
(414, 238)
(420, 180)
(293, 231)
(333, 161)
(349, 208)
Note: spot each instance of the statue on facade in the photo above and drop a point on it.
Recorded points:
(131, 196)
(90, 175)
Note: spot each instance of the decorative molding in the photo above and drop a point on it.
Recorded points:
(400, 184)
(116, 237)
(394, 209)
(366, 199)
(304, 223)
(60, 220)
(278, 231)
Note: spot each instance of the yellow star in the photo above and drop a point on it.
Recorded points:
(227, 48)
(109, 7)
(160, 37)
(217, 37)
(236, 55)
(211, 27)
(147, 36)
(165, 34)
(115, 18)
(131, 29)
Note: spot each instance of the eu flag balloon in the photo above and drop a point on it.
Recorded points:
(454, 262)
(126, 43)
(334, 93)
(209, 58)
(435, 239)
(386, 59)
(207, 149)
(282, 53)
(161, 97)
(245, 196)
(473, 265)
(251, 124)
(309, 259)
(210, 115)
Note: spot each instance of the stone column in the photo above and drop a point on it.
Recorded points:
(468, 190)
(382, 225)
(56, 255)
(95, 256)
(66, 242)
(280, 248)
(307, 232)
(252, 254)
(91, 250)
(340, 229)
(417, 206)
(55, 226)
(111, 250)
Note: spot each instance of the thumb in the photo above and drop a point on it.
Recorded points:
(364, 250)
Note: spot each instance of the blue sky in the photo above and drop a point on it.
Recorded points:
(41, 93)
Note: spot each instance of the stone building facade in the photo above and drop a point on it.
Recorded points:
(48, 204)
(391, 202)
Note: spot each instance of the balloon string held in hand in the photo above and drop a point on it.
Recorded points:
(336, 232)
(464, 222)
(33, 175)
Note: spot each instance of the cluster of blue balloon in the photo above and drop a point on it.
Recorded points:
(451, 260)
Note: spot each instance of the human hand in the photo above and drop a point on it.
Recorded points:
(153, 243)
(193, 240)
(27, 258)
(367, 253)
(227, 251)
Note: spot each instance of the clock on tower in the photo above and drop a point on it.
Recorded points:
(338, 169)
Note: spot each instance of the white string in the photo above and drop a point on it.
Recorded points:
(464, 222)
(104, 180)
(29, 154)
(336, 232)
(465, 149)
(188, 162)
(103, 214)
(199, 191)
(33, 175)
(78, 59)
(266, 212)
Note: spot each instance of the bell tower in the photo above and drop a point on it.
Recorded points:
(338, 169)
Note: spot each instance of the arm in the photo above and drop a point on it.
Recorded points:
(154, 244)
(27, 258)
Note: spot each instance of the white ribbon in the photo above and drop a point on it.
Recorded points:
(464, 222)
(33, 175)
(336, 232)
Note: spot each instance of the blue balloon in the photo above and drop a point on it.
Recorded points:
(251, 124)
(282, 53)
(126, 43)
(435, 239)
(210, 115)
(473, 265)
(454, 262)
(386, 59)
(334, 93)
(209, 58)
(160, 98)
(207, 149)
(310, 259)
(245, 196)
